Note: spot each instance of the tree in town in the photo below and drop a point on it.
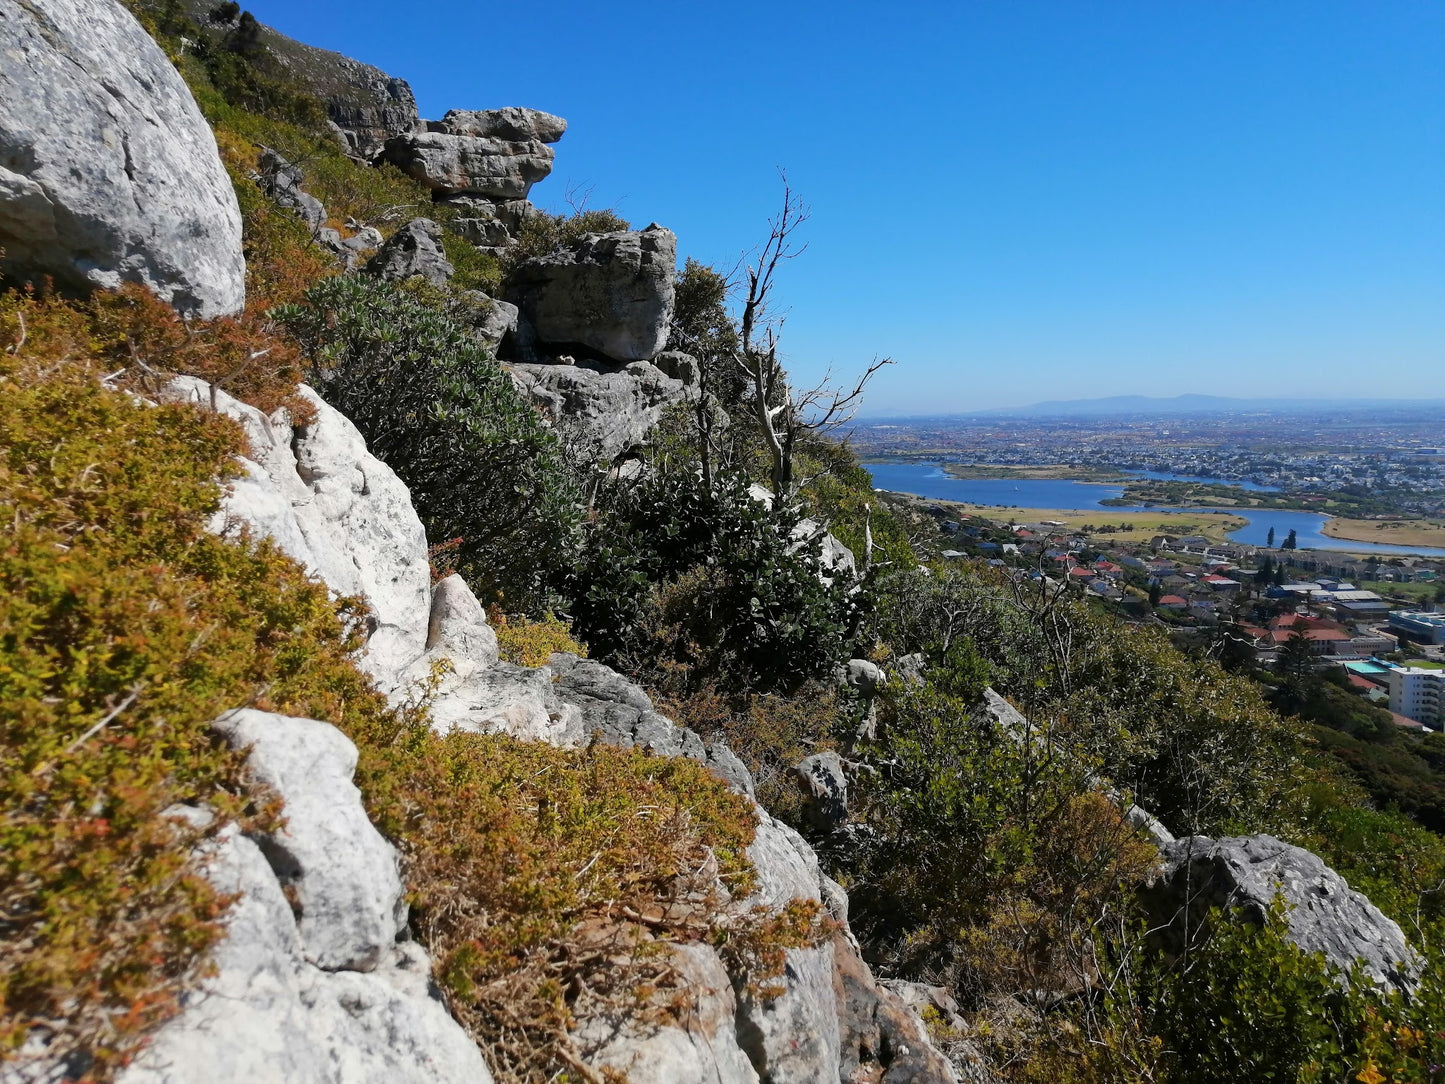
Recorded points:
(1290, 541)
(1269, 539)
(1155, 593)
(1265, 572)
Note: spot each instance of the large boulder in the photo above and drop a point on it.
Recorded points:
(108, 171)
(459, 165)
(609, 292)
(607, 411)
(341, 874)
(512, 122)
(1246, 873)
(413, 251)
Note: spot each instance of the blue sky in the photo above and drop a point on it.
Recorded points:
(1015, 200)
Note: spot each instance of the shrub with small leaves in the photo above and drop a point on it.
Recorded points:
(125, 628)
(435, 406)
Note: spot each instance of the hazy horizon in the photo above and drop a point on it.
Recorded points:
(1016, 202)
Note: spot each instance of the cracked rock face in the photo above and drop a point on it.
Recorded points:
(414, 250)
(326, 996)
(512, 122)
(461, 165)
(608, 412)
(610, 292)
(108, 171)
(1325, 914)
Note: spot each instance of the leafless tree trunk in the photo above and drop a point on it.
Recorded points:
(783, 414)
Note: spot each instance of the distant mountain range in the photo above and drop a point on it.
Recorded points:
(1195, 404)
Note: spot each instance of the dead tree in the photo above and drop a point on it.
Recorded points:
(783, 413)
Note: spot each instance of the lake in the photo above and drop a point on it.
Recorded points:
(930, 480)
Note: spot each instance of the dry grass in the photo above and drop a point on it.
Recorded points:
(1212, 525)
(1392, 532)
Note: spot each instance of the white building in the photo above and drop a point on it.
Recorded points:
(1417, 693)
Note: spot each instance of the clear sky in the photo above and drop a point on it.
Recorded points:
(1015, 200)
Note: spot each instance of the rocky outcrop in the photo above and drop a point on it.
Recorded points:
(108, 171)
(365, 105)
(413, 251)
(340, 874)
(609, 292)
(465, 165)
(681, 367)
(335, 508)
(512, 122)
(311, 983)
(331, 505)
(281, 182)
(825, 790)
(1324, 913)
(608, 411)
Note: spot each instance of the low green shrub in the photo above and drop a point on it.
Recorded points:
(711, 581)
(435, 406)
(532, 643)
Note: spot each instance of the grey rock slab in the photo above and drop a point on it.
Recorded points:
(703, 1049)
(825, 790)
(794, 1038)
(506, 699)
(266, 1014)
(459, 165)
(108, 171)
(335, 508)
(1324, 913)
(511, 122)
(608, 412)
(342, 872)
(683, 368)
(458, 624)
(281, 181)
(610, 292)
(413, 251)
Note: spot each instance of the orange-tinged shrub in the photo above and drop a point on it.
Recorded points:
(124, 629)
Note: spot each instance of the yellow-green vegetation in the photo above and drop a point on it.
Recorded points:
(547, 882)
(1393, 532)
(130, 331)
(124, 629)
(1212, 525)
(532, 643)
(1414, 592)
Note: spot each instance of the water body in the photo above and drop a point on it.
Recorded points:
(930, 480)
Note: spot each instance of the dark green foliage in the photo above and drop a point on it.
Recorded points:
(713, 580)
(541, 233)
(1243, 1003)
(434, 405)
(1198, 747)
(987, 856)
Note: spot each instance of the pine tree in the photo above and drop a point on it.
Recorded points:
(1269, 540)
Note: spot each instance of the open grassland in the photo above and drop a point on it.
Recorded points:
(1212, 525)
(1415, 592)
(1394, 532)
